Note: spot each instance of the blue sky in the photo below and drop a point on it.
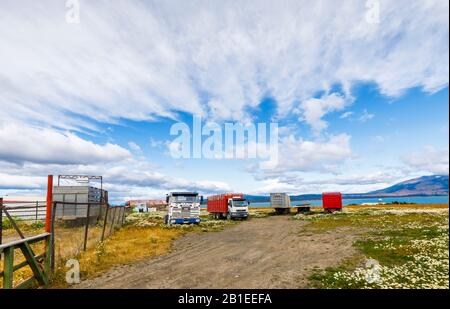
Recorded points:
(359, 104)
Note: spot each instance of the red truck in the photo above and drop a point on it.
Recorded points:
(229, 205)
(332, 201)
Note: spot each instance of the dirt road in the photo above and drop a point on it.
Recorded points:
(261, 253)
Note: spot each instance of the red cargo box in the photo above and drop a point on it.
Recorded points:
(219, 203)
(332, 200)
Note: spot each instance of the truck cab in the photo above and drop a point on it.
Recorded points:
(237, 208)
(183, 208)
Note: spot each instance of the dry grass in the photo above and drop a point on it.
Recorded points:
(129, 244)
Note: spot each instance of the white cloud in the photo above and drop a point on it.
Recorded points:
(23, 143)
(22, 182)
(311, 183)
(137, 60)
(298, 155)
(379, 138)
(159, 143)
(429, 159)
(346, 115)
(129, 177)
(366, 116)
(135, 148)
(314, 109)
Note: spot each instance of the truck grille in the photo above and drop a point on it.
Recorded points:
(186, 212)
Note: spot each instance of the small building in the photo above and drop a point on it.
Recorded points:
(146, 205)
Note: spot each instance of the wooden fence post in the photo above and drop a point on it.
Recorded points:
(8, 268)
(111, 229)
(52, 238)
(123, 215)
(105, 221)
(87, 226)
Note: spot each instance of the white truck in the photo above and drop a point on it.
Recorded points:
(183, 208)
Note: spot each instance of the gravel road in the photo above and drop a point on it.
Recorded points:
(260, 253)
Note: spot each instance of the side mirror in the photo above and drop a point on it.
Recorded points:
(167, 199)
(201, 199)
(248, 203)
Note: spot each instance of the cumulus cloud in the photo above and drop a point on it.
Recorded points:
(129, 177)
(429, 159)
(21, 182)
(314, 109)
(298, 155)
(219, 57)
(143, 60)
(135, 148)
(23, 143)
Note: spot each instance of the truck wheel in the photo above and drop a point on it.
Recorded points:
(166, 219)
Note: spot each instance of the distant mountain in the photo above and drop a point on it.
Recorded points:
(425, 185)
(422, 186)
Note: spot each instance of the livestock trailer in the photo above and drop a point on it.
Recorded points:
(332, 201)
(281, 202)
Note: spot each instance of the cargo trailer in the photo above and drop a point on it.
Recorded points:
(228, 205)
(74, 202)
(332, 201)
(281, 202)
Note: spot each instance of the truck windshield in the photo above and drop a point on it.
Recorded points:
(184, 198)
(240, 203)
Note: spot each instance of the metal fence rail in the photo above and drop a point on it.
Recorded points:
(26, 210)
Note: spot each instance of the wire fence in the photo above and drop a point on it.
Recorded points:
(76, 227)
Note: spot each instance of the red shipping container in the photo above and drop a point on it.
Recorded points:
(332, 200)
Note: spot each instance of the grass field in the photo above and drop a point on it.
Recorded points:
(397, 247)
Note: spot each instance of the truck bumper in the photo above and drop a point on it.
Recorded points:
(185, 221)
(239, 214)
